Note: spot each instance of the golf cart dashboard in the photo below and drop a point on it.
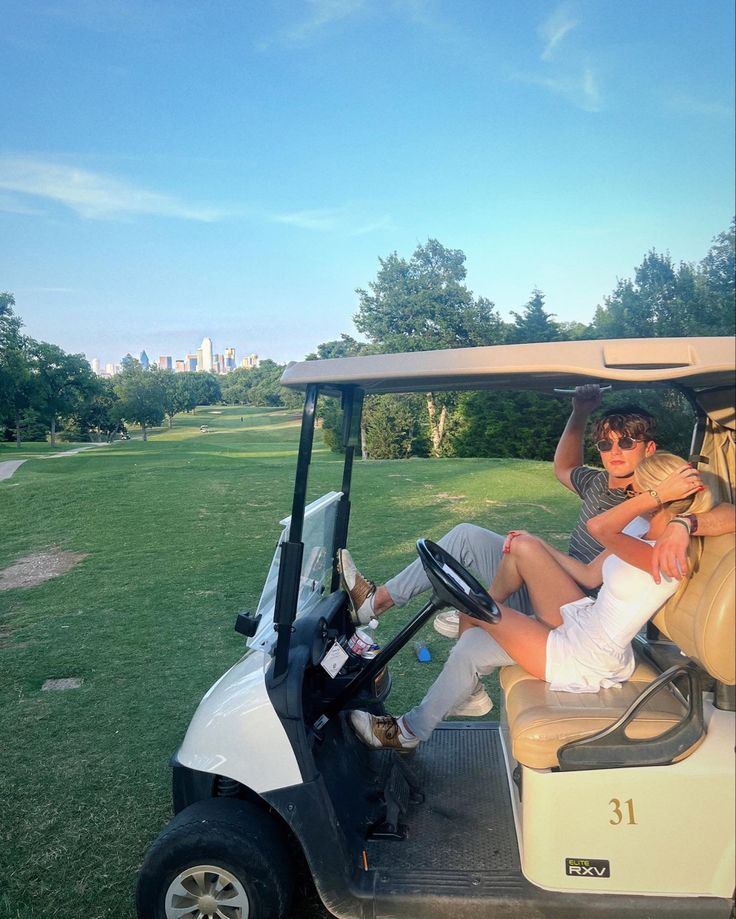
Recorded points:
(310, 683)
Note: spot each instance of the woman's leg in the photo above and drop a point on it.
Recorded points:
(549, 587)
(524, 639)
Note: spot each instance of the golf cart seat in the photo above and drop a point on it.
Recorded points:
(700, 623)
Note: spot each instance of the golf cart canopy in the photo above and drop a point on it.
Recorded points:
(694, 363)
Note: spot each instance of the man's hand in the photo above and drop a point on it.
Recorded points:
(587, 398)
(670, 553)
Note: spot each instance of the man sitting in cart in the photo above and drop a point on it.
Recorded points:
(624, 438)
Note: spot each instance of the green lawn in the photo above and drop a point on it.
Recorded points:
(178, 535)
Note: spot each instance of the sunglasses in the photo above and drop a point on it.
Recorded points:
(626, 443)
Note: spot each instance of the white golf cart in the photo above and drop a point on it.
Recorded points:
(617, 804)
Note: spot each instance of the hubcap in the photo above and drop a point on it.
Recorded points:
(206, 892)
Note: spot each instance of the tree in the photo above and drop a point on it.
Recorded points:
(424, 304)
(259, 386)
(206, 389)
(662, 300)
(509, 424)
(99, 415)
(176, 393)
(61, 382)
(716, 284)
(391, 427)
(344, 346)
(15, 371)
(141, 396)
(534, 323)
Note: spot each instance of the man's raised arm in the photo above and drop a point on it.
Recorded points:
(569, 452)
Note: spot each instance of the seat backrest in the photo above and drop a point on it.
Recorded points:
(702, 620)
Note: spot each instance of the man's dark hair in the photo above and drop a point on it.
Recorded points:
(626, 421)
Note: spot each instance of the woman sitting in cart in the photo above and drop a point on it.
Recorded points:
(575, 643)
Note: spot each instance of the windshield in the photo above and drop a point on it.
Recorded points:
(318, 536)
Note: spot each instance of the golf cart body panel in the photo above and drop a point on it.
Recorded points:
(628, 827)
(633, 819)
(236, 733)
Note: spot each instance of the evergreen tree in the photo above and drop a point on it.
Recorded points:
(534, 323)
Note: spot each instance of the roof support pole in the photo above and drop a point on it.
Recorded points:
(290, 563)
(352, 407)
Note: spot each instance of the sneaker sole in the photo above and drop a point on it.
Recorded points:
(446, 628)
(344, 586)
(473, 709)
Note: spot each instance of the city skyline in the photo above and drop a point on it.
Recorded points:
(203, 359)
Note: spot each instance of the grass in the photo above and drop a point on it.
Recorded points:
(179, 533)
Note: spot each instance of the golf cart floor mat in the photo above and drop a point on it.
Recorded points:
(462, 837)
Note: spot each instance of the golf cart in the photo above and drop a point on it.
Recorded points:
(615, 804)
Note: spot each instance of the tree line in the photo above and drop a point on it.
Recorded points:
(416, 304)
(47, 393)
(422, 303)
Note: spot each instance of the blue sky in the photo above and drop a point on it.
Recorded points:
(175, 169)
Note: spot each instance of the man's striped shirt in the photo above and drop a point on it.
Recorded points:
(592, 486)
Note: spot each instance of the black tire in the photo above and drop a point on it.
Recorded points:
(234, 836)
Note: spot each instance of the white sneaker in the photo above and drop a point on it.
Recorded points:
(477, 704)
(360, 590)
(447, 623)
(382, 731)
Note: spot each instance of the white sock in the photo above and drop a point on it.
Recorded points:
(366, 607)
(405, 730)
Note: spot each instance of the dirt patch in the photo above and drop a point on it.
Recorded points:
(35, 569)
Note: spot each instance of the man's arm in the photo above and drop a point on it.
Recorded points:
(670, 550)
(569, 452)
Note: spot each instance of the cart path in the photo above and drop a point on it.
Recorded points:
(7, 469)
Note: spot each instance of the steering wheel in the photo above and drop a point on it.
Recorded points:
(454, 586)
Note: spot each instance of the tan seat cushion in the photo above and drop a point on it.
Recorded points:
(541, 721)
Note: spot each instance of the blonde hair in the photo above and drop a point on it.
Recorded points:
(651, 472)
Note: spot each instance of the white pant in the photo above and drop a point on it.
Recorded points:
(475, 654)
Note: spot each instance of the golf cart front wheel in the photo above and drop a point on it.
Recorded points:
(220, 857)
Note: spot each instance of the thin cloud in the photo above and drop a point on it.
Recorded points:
(332, 220)
(9, 204)
(320, 15)
(554, 29)
(92, 195)
(582, 91)
(689, 105)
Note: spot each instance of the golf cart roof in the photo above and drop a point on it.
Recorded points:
(697, 363)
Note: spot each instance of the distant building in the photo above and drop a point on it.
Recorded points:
(164, 362)
(190, 362)
(179, 367)
(200, 360)
(229, 359)
(250, 362)
(110, 369)
(145, 363)
(95, 365)
(206, 349)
